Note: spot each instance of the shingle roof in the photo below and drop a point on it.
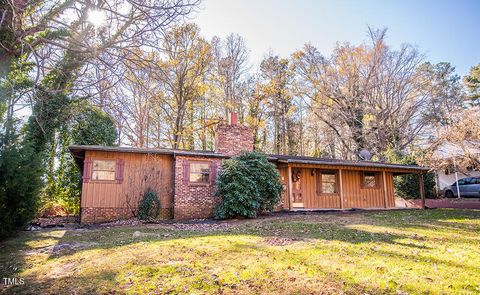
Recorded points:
(161, 151)
(327, 161)
(78, 152)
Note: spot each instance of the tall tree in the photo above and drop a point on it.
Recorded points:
(230, 71)
(257, 113)
(181, 71)
(56, 43)
(277, 79)
(374, 97)
(472, 82)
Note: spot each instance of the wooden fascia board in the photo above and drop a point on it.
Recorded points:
(360, 168)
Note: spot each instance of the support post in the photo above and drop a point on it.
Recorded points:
(456, 177)
(342, 205)
(385, 196)
(289, 169)
(422, 191)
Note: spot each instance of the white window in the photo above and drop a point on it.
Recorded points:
(103, 170)
(329, 182)
(199, 172)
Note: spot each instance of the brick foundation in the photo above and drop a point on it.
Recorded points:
(193, 201)
(102, 214)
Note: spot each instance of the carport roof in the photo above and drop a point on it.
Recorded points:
(348, 163)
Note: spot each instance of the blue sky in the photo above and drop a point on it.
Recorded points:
(442, 30)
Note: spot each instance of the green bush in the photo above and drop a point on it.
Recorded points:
(20, 183)
(408, 186)
(149, 206)
(247, 184)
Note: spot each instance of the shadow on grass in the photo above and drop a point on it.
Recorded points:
(15, 251)
(285, 227)
(65, 284)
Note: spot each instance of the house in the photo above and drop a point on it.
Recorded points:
(115, 178)
(451, 155)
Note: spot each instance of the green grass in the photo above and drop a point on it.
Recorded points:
(396, 252)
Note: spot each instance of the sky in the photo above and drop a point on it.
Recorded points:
(442, 30)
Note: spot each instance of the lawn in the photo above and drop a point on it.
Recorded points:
(396, 252)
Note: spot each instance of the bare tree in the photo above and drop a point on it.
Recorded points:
(230, 71)
(187, 57)
(460, 140)
(74, 38)
(370, 96)
(277, 78)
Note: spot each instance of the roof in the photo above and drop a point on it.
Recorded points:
(121, 149)
(448, 149)
(326, 161)
(78, 151)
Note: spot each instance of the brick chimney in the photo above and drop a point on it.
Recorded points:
(232, 139)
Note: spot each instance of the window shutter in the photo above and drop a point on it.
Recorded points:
(186, 171)
(87, 169)
(318, 176)
(213, 172)
(119, 167)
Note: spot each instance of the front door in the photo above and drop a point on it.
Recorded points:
(297, 193)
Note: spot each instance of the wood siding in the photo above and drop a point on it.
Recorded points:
(357, 197)
(141, 171)
(310, 198)
(354, 196)
(285, 205)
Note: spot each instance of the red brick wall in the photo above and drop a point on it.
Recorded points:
(231, 140)
(193, 201)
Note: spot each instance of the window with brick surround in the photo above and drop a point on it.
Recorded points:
(103, 170)
(199, 172)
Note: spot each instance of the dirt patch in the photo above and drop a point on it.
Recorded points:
(60, 248)
(52, 222)
(201, 225)
(63, 270)
(123, 222)
(281, 241)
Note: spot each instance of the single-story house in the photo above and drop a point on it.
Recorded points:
(115, 178)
